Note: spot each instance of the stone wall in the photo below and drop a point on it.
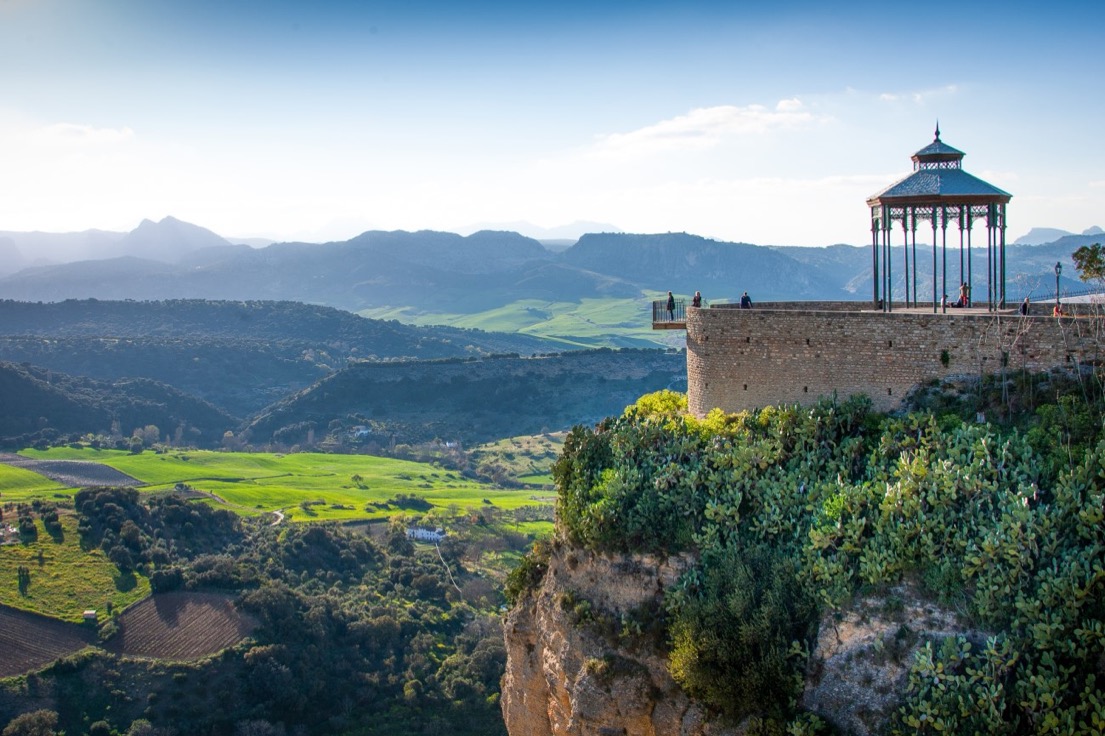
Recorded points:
(746, 359)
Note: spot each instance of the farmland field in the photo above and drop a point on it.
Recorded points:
(305, 487)
(21, 484)
(29, 641)
(68, 473)
(180, 626)
(589, 323)
(63, 579)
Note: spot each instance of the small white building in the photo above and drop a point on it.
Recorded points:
(426, 535)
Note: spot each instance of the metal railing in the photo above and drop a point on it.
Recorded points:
(1064, 294)
(661, 314)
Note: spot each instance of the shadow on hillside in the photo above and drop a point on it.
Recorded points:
(125, 581)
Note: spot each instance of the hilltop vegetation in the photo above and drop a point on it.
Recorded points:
(790, 512)
(352, 636)
(186, 373)
(470, 401)
(240, 356)
(41, 405)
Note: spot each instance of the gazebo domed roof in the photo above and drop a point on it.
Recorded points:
(940, 184)
(938, 178)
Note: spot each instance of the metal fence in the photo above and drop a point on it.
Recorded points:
(1014, 298)
(661, 313)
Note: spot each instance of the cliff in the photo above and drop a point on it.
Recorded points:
(828, 552)
(578, 666)
(565, 678)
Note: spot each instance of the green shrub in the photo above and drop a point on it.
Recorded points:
(733, 632)
(791, 511)
(528, 574)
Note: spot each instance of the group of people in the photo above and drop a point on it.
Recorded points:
(696, 301)
(746, 303)
(964, 299)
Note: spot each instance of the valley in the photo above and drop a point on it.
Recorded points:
(269, 514)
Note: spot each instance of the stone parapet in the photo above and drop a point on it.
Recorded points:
(746, 359)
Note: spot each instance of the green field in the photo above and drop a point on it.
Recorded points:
(17, 484)
(590, 323)
(64, 579)
(305, 486)
(526, 459)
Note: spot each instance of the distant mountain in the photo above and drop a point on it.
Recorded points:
(252, 242)
(687, 263)
(571, 232)
(166, 241)
(432, 271)
(35, 248)
(1041, 235)
(1044, 235)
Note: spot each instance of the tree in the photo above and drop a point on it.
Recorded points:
(100, 728)
(142, 727)
(1090, 262)
(36, 723)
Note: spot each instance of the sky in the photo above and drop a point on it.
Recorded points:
(759, 122)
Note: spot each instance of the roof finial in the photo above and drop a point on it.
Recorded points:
(937, 128)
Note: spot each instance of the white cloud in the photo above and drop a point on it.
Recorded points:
(920, 97)
(704, 128)
(69, 134)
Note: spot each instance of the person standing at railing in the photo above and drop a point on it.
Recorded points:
(697, 300)
(671, 307)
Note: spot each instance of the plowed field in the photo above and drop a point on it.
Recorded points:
(180, 626)
(29, 642)
(72, 473)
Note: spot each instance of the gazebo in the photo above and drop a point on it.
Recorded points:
(940, 191)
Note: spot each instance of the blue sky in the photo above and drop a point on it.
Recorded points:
(759, 122)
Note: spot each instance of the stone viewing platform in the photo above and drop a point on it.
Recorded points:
(742, 358)
(796, 352)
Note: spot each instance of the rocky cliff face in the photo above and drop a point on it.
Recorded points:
(572, 670)
(566, 675)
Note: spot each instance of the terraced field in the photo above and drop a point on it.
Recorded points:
(29, 642)
(180, 626)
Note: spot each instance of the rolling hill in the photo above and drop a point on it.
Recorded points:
(472, 400)
(36, 400)
(240, 356)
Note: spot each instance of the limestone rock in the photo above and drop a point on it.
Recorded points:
(859, 668)
(571, 672)
(565, 677)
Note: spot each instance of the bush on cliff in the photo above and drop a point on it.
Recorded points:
(792, 505)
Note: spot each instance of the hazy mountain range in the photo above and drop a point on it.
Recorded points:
(438, 271)
(1042, 235)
